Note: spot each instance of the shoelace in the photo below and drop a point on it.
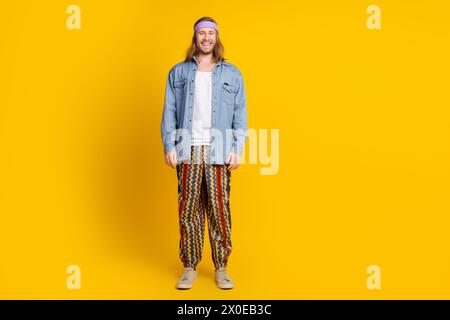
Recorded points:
(186, 274)
(223, 275)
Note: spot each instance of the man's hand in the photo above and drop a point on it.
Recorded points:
(233, 161)
(171, 158)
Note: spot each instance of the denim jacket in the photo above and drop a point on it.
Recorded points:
(228, 114)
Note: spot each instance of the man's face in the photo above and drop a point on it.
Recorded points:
(206, 40)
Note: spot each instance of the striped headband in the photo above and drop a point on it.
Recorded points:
(206, 24)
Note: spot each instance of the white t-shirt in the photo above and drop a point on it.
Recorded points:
(201, 119)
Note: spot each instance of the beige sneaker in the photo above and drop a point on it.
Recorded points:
(187, 279)
(223, 279)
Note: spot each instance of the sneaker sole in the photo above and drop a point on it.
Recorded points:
(184, 288)
(224, 287)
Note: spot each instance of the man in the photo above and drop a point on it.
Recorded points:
(204, 130)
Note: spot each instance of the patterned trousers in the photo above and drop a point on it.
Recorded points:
(203, 190)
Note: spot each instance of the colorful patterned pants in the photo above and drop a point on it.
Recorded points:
(203, 190)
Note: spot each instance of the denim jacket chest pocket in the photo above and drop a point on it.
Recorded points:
(180, 89)
(228, 93)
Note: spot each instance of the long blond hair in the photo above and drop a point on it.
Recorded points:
(193, 50)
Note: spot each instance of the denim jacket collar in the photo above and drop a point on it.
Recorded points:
(195, 61)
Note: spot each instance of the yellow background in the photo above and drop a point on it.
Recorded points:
(364, 149)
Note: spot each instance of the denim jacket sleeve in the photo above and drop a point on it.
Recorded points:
(239, 125)
(168, 123)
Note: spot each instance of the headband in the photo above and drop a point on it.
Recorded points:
(206, 24)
